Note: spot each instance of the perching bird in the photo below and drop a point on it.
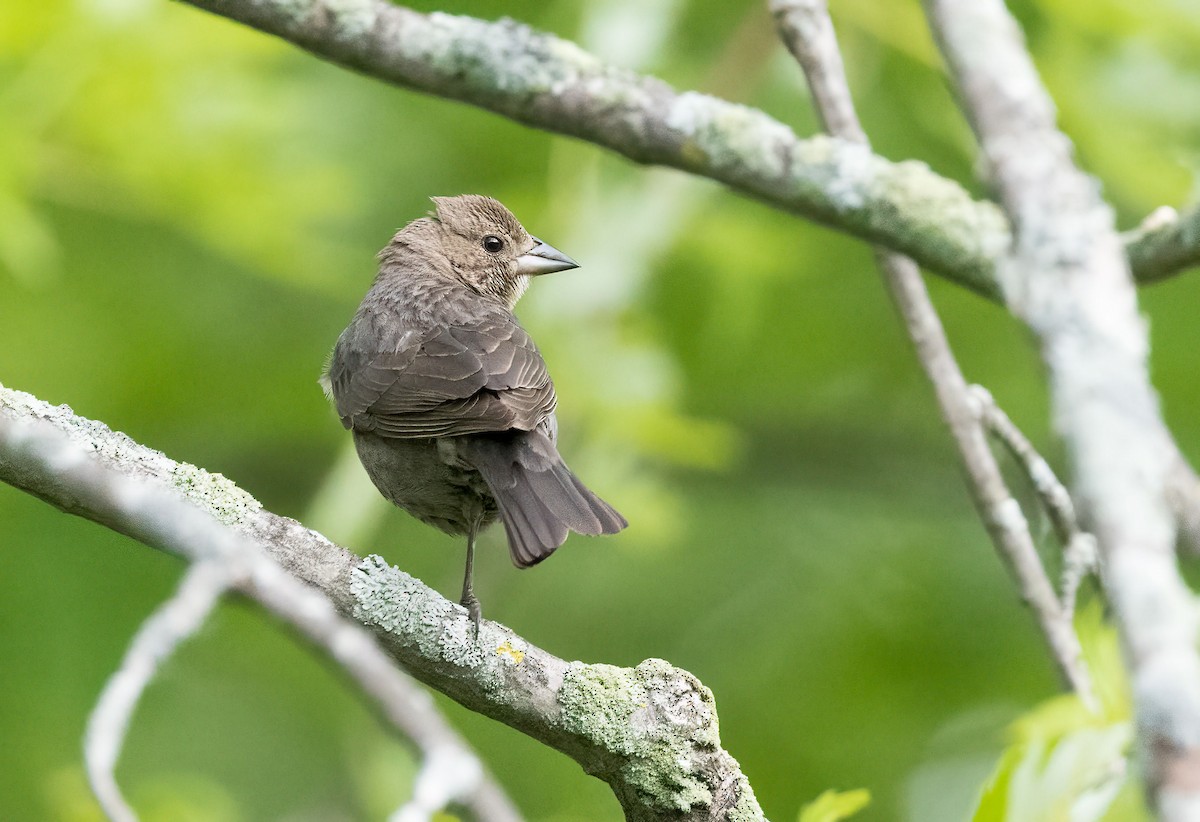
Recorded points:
(449, 401)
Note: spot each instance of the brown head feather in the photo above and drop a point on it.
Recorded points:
(478, 240)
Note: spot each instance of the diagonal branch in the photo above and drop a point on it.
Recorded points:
(650, 732)
(175, 621)
(1069, 280)
(59, 464)
(1079, 547)
(552, 84)
(806, 29)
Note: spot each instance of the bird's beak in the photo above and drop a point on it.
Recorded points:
(544, 258)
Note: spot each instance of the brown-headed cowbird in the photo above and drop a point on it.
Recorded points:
(449, 401)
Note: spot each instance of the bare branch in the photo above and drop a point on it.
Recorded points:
(1069, 280)
(808, 32)
(174, 622)
(650, 732)
(1079, 547)
(552, 84)
(1081, 557)
(1165, 244)
(1053, 494)
(85, 469)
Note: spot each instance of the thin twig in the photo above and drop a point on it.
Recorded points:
(450, 772)
(808, 32)
(1079, 547)
(157, 517)
(1081, 558)
(1053, 494)
(1068, 278)
(175, 620)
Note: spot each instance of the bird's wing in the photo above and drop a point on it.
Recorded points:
(469, 379)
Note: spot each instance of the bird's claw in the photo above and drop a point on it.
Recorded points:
(474, 611)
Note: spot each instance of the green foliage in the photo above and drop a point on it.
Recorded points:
(188, 216)
(144, 109)
(834, 806)
(1067, 763)
(168, 798)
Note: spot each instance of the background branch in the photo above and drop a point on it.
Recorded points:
(650, 731)
(1079, 547)
(177, 619)
(1053, 494)
(1164, 244)
(1070, 281)
(808, 32)
(552, 84)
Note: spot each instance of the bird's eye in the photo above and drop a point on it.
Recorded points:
(492, 244)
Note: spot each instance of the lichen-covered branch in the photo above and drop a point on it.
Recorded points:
(650, 731)
(1068, 278)
(85, 469)
(806, 29)
(1164, 244)
(552, 84)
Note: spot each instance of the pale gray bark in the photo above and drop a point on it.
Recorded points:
(806, 29)
(1068, 278)
(1080, 553)
(175, 621)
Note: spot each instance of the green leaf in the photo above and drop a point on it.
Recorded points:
(1073, 780)
(833, 806)
(1067, 763)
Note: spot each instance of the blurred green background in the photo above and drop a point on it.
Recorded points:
(188, 216)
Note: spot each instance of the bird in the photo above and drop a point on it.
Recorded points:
(448, 399)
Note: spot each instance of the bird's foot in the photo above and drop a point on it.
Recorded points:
(474, 611)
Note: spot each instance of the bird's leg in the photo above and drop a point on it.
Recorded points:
(469, 600)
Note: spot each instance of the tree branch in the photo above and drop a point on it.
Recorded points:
(650, 732)
(175, 621)
(1069, 280)
(51, 453)
(806, 29)
(1079, 547)
(1164, 244)
(552, 84)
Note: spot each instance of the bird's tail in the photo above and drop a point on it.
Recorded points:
(540, 500)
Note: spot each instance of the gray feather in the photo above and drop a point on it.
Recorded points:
(540, 500)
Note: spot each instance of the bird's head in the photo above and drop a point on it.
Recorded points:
(489, 250)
